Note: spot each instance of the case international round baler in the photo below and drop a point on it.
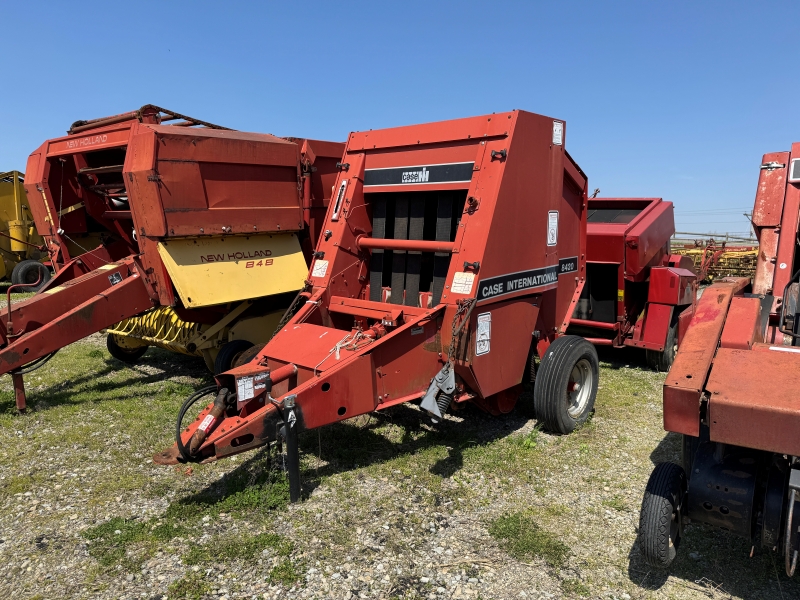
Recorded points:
(199, 227)
(731, 394)
(453, 255)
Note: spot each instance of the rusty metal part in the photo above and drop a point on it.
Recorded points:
(208, 423)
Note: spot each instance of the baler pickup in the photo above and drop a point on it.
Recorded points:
(452, 257)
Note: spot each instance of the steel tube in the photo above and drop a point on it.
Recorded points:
(368, 243)
(595, 324)
(600, 341)
(281, 373)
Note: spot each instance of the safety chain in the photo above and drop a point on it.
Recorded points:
(290, 312)
(463, 309)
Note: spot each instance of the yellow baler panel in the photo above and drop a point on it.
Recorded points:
(208, 271)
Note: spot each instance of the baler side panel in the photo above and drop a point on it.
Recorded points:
(140, 178)
(645, 243)
(785, 263)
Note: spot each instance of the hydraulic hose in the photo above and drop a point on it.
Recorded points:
(188, 403)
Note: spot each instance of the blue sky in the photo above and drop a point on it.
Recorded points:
(676, 99)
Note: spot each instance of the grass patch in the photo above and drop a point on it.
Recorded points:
(575, 587)
(109, 542)
(253, 486)
(191, 587)
(285, 573)
(528, 441)
(617, 503)
(240, 547)
(520, 536)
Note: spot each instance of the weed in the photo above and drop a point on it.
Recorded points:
(109, 541)
(529, 441)
(95, 353)
(190, 587)
(617, 503)
(575, 587)
(522, 538)
(17, 484)
(285, 573)
(240, 547)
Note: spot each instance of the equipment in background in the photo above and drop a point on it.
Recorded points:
(21, 247)
(637, 293)
(452, 258)
(731, 394)
(155, 211)
(713, 259)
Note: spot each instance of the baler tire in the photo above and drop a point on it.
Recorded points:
(28, 271)
(248, 355)
(659, 520)
(551, 396)
(125, 355)
(661, 361)
(228, 354)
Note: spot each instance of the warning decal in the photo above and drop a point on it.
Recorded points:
(462, 283)
(244, 388)
(552, 228)
(483, 335)
(320, 268)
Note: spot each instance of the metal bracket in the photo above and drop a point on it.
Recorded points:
(772, 165)
(445, 381)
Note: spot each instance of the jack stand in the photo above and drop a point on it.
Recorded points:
(292, 448)
(19, 392)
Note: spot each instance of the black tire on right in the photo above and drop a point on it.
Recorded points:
(551, 396)
(659, 520)
(228, 355)
(662, 361)
(248, 355)
(29, 272)
(126, 355)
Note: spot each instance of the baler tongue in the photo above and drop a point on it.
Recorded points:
(428, 282)
(62, 314)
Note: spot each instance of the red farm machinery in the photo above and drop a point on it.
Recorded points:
(204, 231)
(636, 294)
(731, 394)
(453, 255)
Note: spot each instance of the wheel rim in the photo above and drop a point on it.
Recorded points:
(579, 388)
(31, 277)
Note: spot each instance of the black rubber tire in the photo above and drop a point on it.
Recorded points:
(662, 361)
(28, 271)
(659, 526)
(124, 354)
(551, 396)
(228, 354)
(248, 355)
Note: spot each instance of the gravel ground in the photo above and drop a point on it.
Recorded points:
(476, 507)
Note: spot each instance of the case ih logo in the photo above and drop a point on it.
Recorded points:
(234, 256)
(87, 141)
(416, 176)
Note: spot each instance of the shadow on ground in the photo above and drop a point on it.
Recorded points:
(157, 365)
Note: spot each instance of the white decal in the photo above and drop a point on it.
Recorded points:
(484, 334)
(558, 133)
(782, 265)
(291, 419)
(416, 176)
(552, 228)
(320, 268)
(462, 283)
(207, 422)
(244, 389)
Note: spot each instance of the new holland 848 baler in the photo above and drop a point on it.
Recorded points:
(732, 395)
(453, 254)
(203, 223)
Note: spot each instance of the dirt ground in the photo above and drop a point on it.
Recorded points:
(475, 507)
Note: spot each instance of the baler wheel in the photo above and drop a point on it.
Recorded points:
(660, 519)
(566, 384)
(229, 353)
(126, 355)
(29, 272)
(248, 355)
(662, 361)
